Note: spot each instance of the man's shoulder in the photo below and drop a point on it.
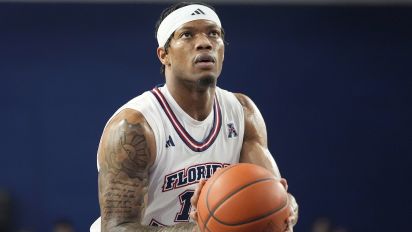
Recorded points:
(243, 99)
(131, 110)
(139, 100)
(136, 105)
(124, 128)
(227, 94)
(126, 114)
(247, 103)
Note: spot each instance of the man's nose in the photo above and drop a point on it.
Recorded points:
(203, 42)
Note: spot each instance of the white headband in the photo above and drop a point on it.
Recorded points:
(181, 16)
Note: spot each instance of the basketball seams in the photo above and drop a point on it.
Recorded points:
(207, 194)
(211, 217)
(211, 213)
(256, 218)
(200, 221)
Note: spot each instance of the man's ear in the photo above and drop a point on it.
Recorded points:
(163, 56)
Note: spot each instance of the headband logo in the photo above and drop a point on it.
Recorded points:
(181, 16)
(198, 12)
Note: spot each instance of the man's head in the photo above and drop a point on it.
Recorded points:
(191, 42)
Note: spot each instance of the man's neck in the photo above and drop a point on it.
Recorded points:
(196, 102)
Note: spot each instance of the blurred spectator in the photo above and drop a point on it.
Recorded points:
(324, 224)
(5, 211)
(63, 225)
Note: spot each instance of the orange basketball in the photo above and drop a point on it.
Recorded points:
(243, 198)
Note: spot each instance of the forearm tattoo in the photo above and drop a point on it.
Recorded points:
(123, 178)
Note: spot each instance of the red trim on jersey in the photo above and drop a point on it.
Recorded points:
(181, 131)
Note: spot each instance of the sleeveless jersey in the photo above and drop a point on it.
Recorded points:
(187, 150)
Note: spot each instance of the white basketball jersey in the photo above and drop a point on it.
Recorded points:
(187, 150)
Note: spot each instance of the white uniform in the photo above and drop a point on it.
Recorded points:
(187, 150)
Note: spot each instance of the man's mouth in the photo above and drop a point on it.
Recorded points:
(204, 58)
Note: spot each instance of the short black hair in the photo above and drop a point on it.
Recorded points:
(169, 10)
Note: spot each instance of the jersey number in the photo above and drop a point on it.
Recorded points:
(184, 198)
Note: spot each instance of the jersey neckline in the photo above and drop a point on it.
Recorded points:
(184, 117)
(192, 143)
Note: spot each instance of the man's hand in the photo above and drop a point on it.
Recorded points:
(293, 217)
(255, 148)
(291, 221)
(194, 200)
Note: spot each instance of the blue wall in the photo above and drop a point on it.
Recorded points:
(333, 83)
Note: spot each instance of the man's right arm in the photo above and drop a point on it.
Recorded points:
(126, 152)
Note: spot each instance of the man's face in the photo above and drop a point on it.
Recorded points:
(196, 52)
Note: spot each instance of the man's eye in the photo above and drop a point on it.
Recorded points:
(186, 35)
(214, 34)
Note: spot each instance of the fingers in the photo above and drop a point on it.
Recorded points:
(193, 214)
(294, 209)
(195, 196)
(195, 199)
(289, 222)
(293, 217)
(289, 229)
(284, 182)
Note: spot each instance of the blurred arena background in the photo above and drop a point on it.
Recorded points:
(332, 78)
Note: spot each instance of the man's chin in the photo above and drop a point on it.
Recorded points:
(207, 81)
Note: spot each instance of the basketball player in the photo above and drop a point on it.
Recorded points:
(157, 147)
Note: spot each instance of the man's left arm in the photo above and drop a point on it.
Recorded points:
(255, 149)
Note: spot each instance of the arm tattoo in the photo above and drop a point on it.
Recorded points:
(128, 151)
(123, 180)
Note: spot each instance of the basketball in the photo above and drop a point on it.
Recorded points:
(243, 198)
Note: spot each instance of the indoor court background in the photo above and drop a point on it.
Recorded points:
(333, 82)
